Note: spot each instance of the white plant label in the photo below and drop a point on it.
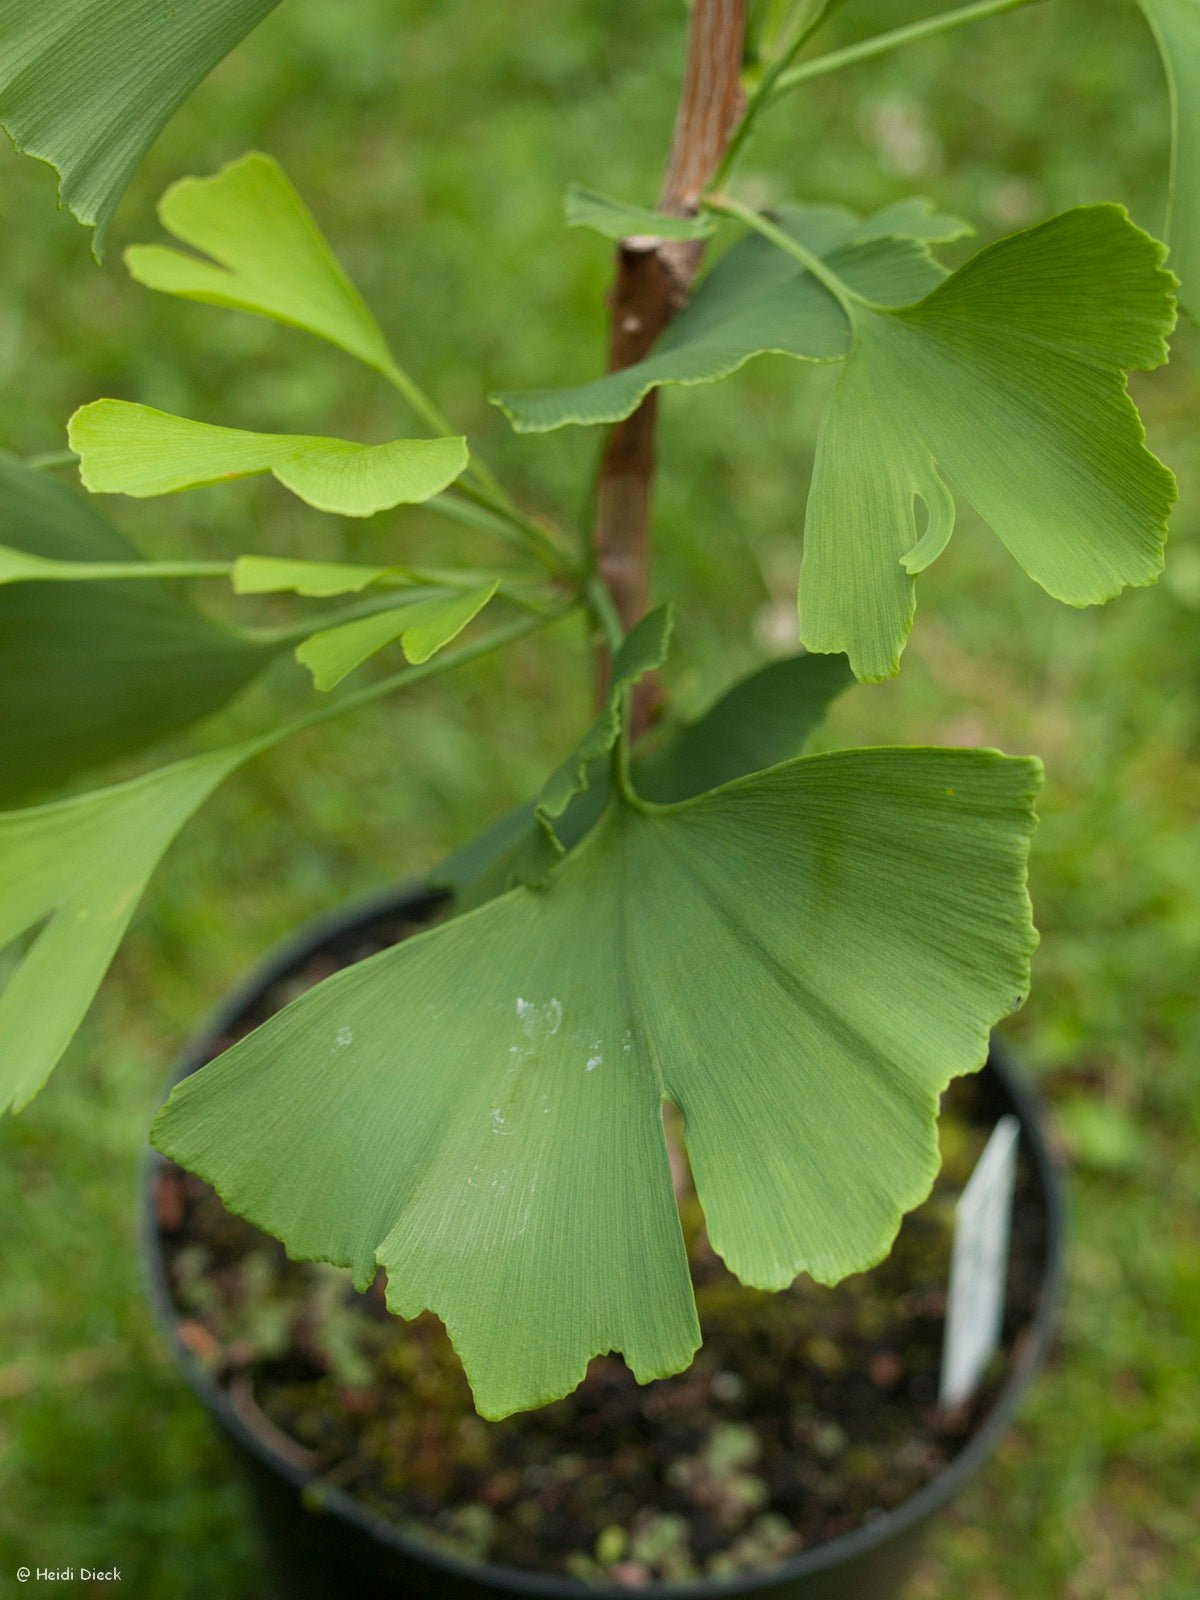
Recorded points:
(979, 1267)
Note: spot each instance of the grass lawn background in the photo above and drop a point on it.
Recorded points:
(434, 144)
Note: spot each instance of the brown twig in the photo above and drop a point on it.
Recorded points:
(652, 282)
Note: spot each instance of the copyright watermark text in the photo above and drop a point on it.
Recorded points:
(68, 1574)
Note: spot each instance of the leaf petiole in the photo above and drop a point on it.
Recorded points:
(845, 296)
(883, 43)
(40, 569)
(318, 622)
(796, 33)
(604, 613)
(50, 459)
(446, 661)
(480, 485)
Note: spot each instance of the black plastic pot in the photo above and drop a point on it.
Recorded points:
(323, 1545)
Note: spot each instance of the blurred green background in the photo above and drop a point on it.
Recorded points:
(434, 144)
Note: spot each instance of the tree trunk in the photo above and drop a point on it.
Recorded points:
(652, 282)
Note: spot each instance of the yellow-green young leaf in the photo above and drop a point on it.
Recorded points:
(422, 627)
(17, 567)
(799, 961)
(135, 450)
(267, 255)
(323, 579)
(1006, 383)
(88, 84)
(90, 671)
(1176, 25)
(613, 219)
(315, 579)
(758, 301)
(83, 864)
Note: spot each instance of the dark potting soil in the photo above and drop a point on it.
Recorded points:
(805, 1414)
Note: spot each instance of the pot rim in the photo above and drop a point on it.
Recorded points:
(1028, 1357)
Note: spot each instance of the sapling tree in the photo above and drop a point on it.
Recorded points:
(796, 951)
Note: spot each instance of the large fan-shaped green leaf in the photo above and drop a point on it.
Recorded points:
(755, 301)
(87, 85)
(267, 256)
(83, 864)
(92, 671)
(135, 450)
(799, 961)
(1176, 25)
(1007, 382)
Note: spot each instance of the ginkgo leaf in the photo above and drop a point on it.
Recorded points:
(758, 301)
(1006, 383)
(766, 717)
(82, 863)
(576, 792)
(93, 671)
(266, 255)
(613, 219)
(135, 450)
(644, 649)
(87, 85)
(422, 627)
(17, 567)
(71, 874)
(324, 579)
(315, 579)
(1176, 27)
(799, 962)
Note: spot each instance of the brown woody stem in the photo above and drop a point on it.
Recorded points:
(653, 280)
